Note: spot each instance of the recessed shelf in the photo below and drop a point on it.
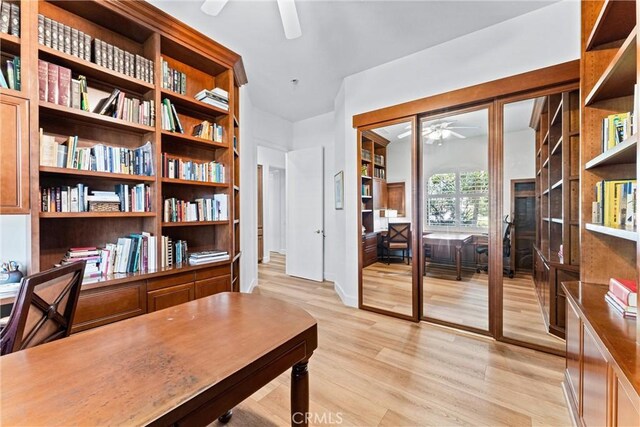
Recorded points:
(10, 43)
(192, 105)
(621, 233)
(557, 185)
(96, 214)
(546, 163)
(92, 118)
(615, 21)
(619, 78)
(193, 223)
(556, 220)
(366, 161)
(94, 71)
(625, 152)
(197, 183)
(103, 175)
(557, 147)
(184, 138)
(557, 114)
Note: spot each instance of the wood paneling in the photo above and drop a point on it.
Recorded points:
(574, 351)
(396, 197)
(168, 297)
(379, 193)
(212, 286)
(14, 155)
(627, 413)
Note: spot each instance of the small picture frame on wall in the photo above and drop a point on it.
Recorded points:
(338, 190)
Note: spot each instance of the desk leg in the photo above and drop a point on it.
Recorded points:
(300, 394)
(459, 262)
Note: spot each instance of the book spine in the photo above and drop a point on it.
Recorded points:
(40, 29)
(43, 80)
(47, 32)
(52, 87)
(624, 294)
(5, 15)
(15, 19)
(75, 43)
(87, 47)
(109, 55)
(67, 39)
(60, 36)
(64, 86)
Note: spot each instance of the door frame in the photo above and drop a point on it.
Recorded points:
(415, 222)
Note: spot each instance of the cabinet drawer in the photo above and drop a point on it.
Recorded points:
(219, 271)
(14, 155)
(100, 306)
(211, 286)
(168, 297)
(166, 281)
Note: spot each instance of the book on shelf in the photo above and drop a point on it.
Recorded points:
(172, 79)
(5, 15)
(125, 198)
(624, 290)
(170, 118)
(214, 208)
(56, 85)
(197, 258)
(173, 252)
(621, 307)
(209, 131)
(217, 97)
(366, 190)
(177, 168)
(64, 38)
(379, 159)
(615, 204)
(133, 110)
(616, 128)
(13, 74)
(10, 18)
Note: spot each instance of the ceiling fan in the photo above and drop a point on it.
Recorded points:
(288, 14)
(438, 132)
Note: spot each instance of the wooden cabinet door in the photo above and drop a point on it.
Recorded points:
(212, 286)
(14, 155)
(626, 407)
(168, 297)
(573, 337)
(379, 193)
(594, 387)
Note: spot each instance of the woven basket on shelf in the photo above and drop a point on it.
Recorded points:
(104, 206)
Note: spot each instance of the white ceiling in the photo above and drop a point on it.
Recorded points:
(339, 38)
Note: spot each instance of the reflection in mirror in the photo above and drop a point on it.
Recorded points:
(525, 122)
(386, 218)
(456, 218)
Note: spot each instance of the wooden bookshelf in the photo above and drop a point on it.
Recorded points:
(141, 29)
(599, 339)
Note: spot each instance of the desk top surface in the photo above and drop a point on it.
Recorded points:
(136, 370)
(446, 236)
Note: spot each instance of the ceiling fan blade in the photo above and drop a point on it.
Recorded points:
(290, 21)
(457, 135)
(463, 127)
(213, 7)
(404, 134)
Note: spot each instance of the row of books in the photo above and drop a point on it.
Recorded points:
(64, 38)
(118, 106)
(616, 128)
(77, 199)
(177, 168)
(170, 119)
(119, 60)
(203, 209)
(56, 85)
(615, 204)
(10, 18)
(366, 189)
(13, 74)
(210, 131)
(217, 97)
(173, 79)
(174, 252)
(197, 258)
(623, 296)
(97, 158)
(379, 159)
(379, 173)
(366, 154)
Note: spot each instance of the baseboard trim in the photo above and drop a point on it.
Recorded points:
(252, 286)
(347, 300)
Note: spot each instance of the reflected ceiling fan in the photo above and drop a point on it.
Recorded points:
(288, 14)
(438, 131)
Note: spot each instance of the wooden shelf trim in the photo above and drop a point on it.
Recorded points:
(557, 220)
(615, 21)
(621, 233)
(96, 214)
(557, 147)
(104, 175)
(367, 210)
(557, 114)
(194, 223)
(625, 152)
(619, 77)
(93, 118)
(557, 185)
(197, 183)
(545, 140)
(181, 137)
(9, 40)
(366, 197)
(192, 104)
(546, 163)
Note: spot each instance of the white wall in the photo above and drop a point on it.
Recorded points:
(511, 47)
(276, 215)
(15, 240)
(315, 132)
(519, 161)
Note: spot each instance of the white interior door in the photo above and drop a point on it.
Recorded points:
(305, 213)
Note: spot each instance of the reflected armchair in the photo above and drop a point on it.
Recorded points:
(398, 238)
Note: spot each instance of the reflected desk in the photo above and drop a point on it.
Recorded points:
(455, 240)
(185, 365)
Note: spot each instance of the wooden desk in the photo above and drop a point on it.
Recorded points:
(187, 364)
(456, 240)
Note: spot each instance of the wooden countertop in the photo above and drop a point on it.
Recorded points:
(154, 367)
(616, 332)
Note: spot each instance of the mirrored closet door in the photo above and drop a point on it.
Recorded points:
(388, 265)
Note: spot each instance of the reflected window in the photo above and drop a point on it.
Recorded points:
(458, 199)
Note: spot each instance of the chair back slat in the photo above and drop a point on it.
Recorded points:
(44, 308)
(399, 232)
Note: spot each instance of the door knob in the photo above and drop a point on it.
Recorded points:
(318, 231)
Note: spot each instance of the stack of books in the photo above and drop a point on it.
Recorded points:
(217, 97)
(170, 118)
(56, 85)
(623, 296)
(198, 258)
(616, 128)
(118, 106)
(10, 14)
(90, 254)
(12, 70)
(121, 61)
(615, 204)
(173, 79)
(209, 209)
(366, 154)
(131, 254)
(64, 38)
(209, 131)
(177, 168)
(173, 252)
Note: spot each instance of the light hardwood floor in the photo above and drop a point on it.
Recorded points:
(372, 370)
(464, 302)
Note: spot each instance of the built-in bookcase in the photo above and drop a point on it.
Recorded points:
(205, 67)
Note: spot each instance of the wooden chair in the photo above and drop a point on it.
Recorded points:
(398, 238)
(44, 308)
